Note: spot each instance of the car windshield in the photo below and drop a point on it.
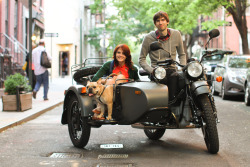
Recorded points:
(239, 62)
(216, 57)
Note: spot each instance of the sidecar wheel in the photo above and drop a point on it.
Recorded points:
(154, 134)
(79, 129)
(209, 128)
(86, 71)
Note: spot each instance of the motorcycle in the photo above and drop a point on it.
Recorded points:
(146, 104)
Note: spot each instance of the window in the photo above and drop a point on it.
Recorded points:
(6, 21)
(16, 19)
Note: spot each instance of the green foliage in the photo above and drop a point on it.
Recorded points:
(96, 7)
(209, 25)
(15, 80)
(135, 17)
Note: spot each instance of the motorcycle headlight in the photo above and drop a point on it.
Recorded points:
(194, 69)
(160, 73)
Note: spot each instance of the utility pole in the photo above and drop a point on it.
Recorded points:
(104, 31)
(30, 43)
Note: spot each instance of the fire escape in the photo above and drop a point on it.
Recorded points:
(12, 56)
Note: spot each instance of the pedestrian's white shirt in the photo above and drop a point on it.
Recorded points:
(36, 60)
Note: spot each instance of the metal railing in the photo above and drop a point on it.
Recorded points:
(12, 56)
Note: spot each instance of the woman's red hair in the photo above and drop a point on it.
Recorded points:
(126, 52)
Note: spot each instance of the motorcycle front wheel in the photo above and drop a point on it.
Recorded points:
(78, 128)
(209, 128)
(154, 134)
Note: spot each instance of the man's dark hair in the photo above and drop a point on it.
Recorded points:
(160, 14)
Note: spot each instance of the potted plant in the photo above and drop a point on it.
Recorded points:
(17, 93)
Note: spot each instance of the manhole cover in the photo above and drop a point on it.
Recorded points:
(65, 155)
(114, 165)
(113, 156)
(111, 146)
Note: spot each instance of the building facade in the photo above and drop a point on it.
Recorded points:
(14, 33)
(229, 38)
(71, 23)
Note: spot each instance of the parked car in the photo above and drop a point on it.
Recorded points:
(210, 62)
(247, 86)
(232, 70)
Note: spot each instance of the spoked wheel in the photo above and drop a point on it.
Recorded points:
(154, 134)
(247, 96)
(79, 130)
(209, 128)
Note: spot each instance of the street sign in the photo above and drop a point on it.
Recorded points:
(51, 34)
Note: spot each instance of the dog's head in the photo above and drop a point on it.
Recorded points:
(94, 87)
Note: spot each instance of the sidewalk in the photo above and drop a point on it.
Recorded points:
(39, 106)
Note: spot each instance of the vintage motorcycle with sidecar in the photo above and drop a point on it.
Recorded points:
(146, 105)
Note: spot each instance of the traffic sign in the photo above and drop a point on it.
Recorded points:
(51, 34)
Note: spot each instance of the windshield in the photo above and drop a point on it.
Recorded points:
(216, 57)
(239, 62)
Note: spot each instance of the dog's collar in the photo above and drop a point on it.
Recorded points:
(99, 98)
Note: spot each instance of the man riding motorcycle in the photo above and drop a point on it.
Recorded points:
(171, 41)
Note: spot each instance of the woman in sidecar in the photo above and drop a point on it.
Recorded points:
(123, 68)
(122, 64)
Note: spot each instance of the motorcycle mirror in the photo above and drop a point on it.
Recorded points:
(214, 33)
(156, 46)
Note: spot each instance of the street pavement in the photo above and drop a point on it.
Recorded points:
(57, 86)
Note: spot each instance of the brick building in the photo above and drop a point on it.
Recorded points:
(229, 38)
(14, 30)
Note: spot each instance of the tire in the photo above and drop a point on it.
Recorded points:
(86, 71)
(209, 128)
(223, 96)
(154, 134)
(78, 128)
(247, 96)
(214, 92)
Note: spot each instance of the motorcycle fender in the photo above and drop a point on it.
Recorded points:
(86, 103)
(200, 87)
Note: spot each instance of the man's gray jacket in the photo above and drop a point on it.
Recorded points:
(173, 44)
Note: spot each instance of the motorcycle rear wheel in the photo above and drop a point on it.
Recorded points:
(79, 129)
(154, 134)
(209, 128)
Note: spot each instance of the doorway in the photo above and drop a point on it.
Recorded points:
(63, 63)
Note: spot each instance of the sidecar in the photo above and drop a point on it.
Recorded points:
(134, 102)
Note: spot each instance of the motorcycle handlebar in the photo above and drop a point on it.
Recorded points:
(169, 62)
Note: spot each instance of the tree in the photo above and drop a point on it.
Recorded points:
(237, 9)
(134, 17)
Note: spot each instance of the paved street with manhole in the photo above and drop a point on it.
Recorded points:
(45, 142)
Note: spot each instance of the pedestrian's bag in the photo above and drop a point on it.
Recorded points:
(45, 60)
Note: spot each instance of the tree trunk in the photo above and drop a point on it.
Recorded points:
(238, 13)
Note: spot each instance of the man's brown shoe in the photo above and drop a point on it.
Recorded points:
(34, 94)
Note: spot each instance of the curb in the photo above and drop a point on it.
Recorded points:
(31, 117)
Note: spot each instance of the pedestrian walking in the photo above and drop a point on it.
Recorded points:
(171, 41)
(41, 73)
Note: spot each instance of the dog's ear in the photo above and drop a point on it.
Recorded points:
(88, 82)
(99, 81)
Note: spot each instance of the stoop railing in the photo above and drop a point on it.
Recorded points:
(12, 56)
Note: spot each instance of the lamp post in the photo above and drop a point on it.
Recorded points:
(104, 31)
(30, 42)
